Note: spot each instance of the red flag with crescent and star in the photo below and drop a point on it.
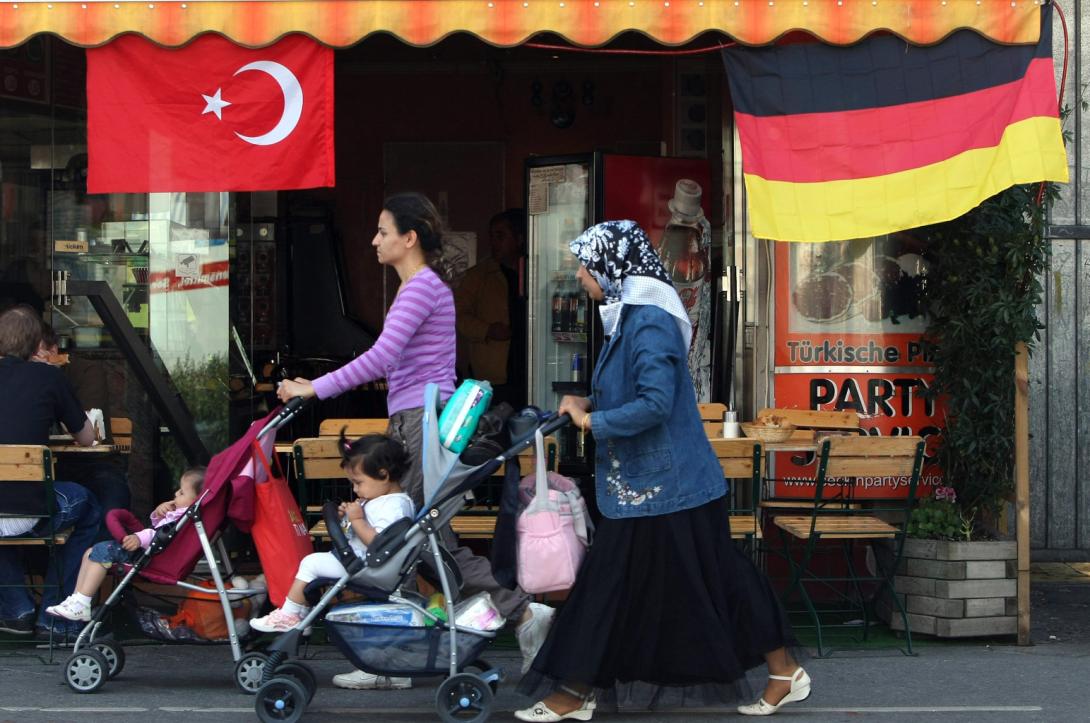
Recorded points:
(212, 116)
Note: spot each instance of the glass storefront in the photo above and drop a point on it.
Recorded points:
(165, 257)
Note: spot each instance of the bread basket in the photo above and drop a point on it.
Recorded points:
(767, 434)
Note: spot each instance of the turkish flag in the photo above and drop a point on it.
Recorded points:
(211, 116)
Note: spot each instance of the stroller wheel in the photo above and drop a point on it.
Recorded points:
(282, 699)
(248, 672)
(86, 671)
(114, 655)
(301, 672)
(464, 697)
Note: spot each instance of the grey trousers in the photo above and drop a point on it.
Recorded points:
(405, 426)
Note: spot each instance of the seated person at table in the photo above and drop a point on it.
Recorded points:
(99, 474)
(49, 351)
(99, 558)
(35, 396)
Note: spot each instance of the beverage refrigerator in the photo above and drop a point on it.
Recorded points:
(565, 196)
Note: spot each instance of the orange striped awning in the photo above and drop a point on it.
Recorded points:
(341, 23)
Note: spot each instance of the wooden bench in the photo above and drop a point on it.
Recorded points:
(318, 460)
(353, 427)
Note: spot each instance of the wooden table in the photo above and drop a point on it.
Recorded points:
(97, 449)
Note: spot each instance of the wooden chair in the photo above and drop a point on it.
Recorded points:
(26, 490)
(741, 461)
(121, 432)
(811, 419)
(318, 476)
(854, 501)
(809, 425)
(711, 413)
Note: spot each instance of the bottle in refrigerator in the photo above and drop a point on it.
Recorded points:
(685, 250)
(573, 312)
(688, 267)
(582, 321)
(559, 302)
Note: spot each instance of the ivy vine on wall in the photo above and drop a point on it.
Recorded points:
(982, 293)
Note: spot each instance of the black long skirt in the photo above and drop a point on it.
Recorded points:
(666, 611)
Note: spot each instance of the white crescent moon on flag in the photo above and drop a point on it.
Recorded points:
(293, 102)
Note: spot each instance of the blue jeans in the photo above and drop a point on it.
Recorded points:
(105, 480)
(75, 507)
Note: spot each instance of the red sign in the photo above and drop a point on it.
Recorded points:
(212, 116)
(848, 338)
(215, 273)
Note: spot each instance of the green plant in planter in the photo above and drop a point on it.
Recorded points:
(981, 294)
(203, 387)
(940, 518)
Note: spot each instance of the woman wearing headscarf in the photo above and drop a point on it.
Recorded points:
(666, 610)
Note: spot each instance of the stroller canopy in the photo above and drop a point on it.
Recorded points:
(228, 497)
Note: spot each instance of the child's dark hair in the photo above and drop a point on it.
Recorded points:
(377, 455)
(49, 337)
(196, 477)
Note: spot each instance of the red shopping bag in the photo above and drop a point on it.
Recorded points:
(280, 531)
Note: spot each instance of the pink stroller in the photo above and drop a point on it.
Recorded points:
(228, 497)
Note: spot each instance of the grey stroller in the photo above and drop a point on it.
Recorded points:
(435, 647)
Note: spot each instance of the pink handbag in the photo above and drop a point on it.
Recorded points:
(553, 530)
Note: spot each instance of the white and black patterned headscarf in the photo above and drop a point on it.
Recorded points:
(619, 256)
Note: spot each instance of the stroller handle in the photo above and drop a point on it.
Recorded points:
(552, 423)
(286, 414)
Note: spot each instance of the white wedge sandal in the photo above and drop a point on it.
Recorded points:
(800, 690)
(544, 714)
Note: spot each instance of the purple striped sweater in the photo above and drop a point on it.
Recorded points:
(416, 346)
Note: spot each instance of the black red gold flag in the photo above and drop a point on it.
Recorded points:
(859, 141)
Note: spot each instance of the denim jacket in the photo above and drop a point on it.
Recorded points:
(653, 456)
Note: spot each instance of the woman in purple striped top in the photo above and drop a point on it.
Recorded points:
(417, 347)
(417, 343)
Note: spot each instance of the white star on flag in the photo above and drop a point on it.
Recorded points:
(215, 104)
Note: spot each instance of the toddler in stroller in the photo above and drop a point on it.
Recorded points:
(226, 497)
(406, 636)
(99, 558)
(374, 464)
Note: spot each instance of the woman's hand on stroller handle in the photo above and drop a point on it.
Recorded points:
(555, 423)
(291, 389)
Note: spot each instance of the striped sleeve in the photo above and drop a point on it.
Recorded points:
(410, 309)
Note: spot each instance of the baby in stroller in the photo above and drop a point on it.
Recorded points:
(98, 559)
(374, 464)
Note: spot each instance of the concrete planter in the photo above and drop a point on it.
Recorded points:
(956, 589)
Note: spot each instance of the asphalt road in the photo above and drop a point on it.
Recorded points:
(971, 681)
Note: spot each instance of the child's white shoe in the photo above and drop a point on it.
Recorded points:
(359, 680)
(70, 609)
(277, 621)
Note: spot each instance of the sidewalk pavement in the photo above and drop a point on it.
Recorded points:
(947, 681)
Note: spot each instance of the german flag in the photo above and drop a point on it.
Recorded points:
(851, 142)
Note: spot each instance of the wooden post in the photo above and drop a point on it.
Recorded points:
(1021, 484)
